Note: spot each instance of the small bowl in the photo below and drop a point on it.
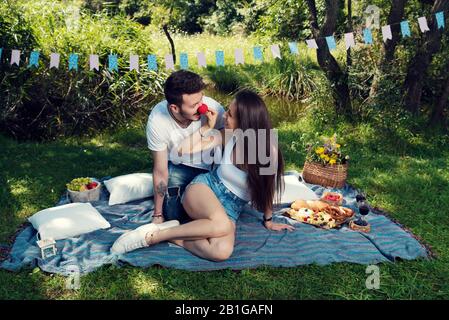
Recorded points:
(87, 195)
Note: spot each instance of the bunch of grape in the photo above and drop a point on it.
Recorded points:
(78, 184)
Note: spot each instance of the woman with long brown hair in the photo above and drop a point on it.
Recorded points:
(214, 200)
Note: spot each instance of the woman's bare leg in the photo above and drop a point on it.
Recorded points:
(211, 233)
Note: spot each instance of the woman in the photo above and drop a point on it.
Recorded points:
(214, 200)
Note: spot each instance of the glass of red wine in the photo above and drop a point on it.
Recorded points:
(363, 210)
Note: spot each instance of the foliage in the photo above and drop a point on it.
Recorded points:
(42, 103)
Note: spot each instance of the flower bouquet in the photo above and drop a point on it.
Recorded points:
(325, 164)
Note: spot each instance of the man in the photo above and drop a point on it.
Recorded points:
(169, 123)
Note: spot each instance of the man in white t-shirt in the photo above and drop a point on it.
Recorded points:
(169, 123)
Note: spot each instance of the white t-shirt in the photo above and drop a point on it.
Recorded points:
(164, 133)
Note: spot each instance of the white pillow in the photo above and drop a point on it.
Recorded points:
(129, 187)
(67, 221)
(295, 189)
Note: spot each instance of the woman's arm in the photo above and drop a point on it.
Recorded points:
(270, 225)
(205, 138)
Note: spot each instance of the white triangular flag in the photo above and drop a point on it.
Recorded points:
(201, 59)
(169, 64)
(134, 62)
(54, 60)
(94, 62)
(15, 57)
(423, 24)
(311, 43)
(349, 40)
(239, 56)
(276, 51)
(386, 33)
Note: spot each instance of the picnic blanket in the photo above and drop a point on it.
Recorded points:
(254, 246)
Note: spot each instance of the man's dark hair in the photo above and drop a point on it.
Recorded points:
(182, 82)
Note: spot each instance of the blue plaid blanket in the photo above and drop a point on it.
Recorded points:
(254, 246)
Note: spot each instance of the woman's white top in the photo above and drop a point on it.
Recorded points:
(232, 177)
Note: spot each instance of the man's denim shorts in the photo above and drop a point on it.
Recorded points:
(233, 205)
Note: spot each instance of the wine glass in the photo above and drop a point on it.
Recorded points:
(363, 210)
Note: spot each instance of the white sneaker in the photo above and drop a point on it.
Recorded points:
(135, 239)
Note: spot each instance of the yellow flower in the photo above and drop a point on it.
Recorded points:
(322, 156)
(326, 158)
(319, 150)
(338, 146)
(332, 161)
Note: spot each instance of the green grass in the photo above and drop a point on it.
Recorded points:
(407, 177)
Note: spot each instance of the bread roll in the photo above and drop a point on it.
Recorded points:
(298, 204)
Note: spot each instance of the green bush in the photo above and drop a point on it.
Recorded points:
(39, 103)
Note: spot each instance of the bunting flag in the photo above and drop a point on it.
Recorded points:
(331, 43)
(258, 55)
(169, 64)
(54, 60)
(219, 58)
(293, 47)
(311, 43)
(184, 61)
(368, 36)
(239, 58)
(349, 40)
(276, 51)
(440, 19)
(15, 57)
(134, 62)
(405, 29)
(152, 62)
(34, 59)
(386, 33)
(94, 63)
(201, 59)
(73, 62)
(113, 62)
(258, 51)
(422, 21)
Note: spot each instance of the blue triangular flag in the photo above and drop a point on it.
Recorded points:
(440, 19)
(184, 61)
(34, 59)
(405, 29)
(112, 65)
(73, 61)
(331, 43)
(368, 36)
(219, 58)
(152, 63)
(293, 47)
(258, 53)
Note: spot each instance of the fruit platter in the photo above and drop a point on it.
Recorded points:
(319, 213)
(332, 198)
(84, 189)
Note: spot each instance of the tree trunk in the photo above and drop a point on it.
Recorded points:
(384, 65)
(349, 29)
(417, 69)
(438, 117)
(327, 62)
(172, 44)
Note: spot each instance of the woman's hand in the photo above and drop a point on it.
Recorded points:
(270, 225)
(211, 116)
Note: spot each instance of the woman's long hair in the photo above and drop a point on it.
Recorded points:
(252, 113)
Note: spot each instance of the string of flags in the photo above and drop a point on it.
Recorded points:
(349, 39)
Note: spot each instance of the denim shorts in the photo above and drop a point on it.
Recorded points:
(232, 204)
(179, 176)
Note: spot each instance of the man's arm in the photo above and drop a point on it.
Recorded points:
(160, 181)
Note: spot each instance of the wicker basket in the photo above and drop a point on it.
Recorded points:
(328, 176)
(86, 196)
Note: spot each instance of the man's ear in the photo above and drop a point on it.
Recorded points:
(174, 108)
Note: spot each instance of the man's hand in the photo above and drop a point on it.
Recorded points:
(158, 218)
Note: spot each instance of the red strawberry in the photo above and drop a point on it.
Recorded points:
(203, 109)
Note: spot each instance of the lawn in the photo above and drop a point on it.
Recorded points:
(407, 177)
